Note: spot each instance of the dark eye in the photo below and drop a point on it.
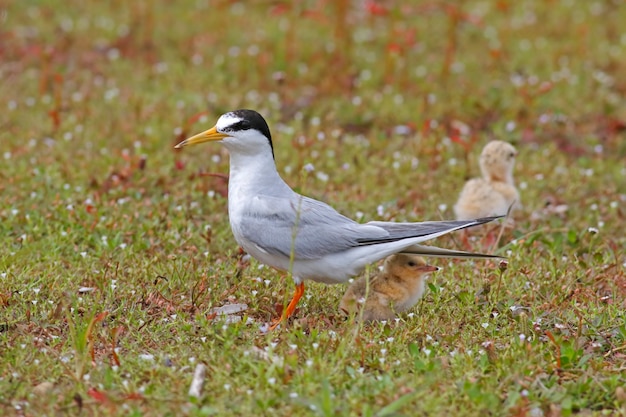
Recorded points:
(240, 125)
(411, 263)
(512, 155)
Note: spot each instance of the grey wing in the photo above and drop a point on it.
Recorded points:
(427, 230)
(270, 223)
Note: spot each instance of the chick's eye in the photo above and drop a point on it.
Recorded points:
(512, 155)
(411, 263)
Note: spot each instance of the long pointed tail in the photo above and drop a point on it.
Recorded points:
(445, 253)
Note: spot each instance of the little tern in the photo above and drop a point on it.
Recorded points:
(394, 290)
(495, 192)
(302, 236)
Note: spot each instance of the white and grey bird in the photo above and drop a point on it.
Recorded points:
(294, 233)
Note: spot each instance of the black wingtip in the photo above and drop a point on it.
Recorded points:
(477, 222)
(484, 220)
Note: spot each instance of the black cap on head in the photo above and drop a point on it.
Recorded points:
(251, 119)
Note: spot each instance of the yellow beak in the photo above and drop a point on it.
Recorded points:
(209, 135)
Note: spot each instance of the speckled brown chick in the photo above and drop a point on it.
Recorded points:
(394, 290)
(495, 192)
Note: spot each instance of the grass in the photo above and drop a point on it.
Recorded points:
(390, 105)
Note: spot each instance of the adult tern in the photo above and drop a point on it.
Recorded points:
(298, 234)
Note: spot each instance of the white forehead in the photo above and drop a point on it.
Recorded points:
(227, 120)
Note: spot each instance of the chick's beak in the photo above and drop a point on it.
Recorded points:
(428, 268)
(209, 135)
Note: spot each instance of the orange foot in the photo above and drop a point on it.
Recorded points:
(297, 295)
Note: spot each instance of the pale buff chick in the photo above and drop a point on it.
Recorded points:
(394, 290)
(495, 192)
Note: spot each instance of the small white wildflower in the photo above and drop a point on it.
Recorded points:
(322, 176)
(402, 130)
(485, 325)
(309, 167)
(510, 126)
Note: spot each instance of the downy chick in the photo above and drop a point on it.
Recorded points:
(495, 192)
(394, 290)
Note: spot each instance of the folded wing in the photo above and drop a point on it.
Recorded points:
(313, 229)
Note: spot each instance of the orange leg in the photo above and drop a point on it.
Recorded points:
(297, 295)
